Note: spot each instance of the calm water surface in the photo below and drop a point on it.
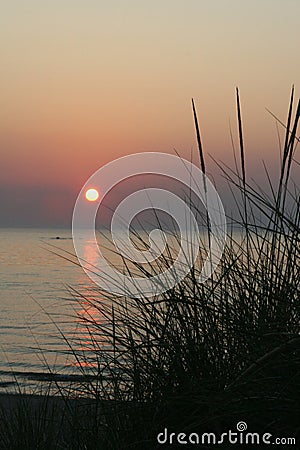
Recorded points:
(36, 305)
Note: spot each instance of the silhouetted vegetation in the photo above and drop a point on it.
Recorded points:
(202, 357)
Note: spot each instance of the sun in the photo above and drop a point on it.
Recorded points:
(92, 195)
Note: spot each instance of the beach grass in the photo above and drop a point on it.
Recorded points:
(202, 356)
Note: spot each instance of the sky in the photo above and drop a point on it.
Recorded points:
(83, 83)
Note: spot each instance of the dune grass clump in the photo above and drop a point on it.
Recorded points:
(199, 357)
(202, 357)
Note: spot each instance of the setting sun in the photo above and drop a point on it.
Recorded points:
(92, 195)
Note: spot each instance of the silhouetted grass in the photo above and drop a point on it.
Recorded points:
(202, 357)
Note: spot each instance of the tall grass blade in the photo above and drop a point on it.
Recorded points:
(199, 142)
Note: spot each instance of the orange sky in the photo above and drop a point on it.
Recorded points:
(85, 82)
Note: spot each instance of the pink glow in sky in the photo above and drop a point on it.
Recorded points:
(83, 83)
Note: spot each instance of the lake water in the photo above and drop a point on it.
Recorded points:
(36, 305)
(38, 311)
